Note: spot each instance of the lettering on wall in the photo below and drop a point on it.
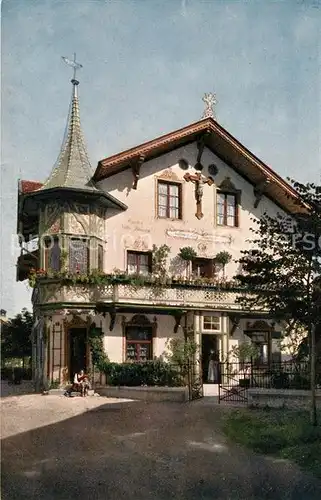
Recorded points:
(137, 225)
(177, 233)
(223, 239)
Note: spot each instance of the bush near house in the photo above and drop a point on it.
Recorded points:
(154, 373)
(282, 433)
(15, 373)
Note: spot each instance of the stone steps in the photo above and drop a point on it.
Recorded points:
(61, 392)
(91, 392)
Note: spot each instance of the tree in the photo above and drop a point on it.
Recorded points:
(16, 336)
(282, 269)
(223, 258)
(293, 339)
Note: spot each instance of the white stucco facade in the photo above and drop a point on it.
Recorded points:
(137, 229)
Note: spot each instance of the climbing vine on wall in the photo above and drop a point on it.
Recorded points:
(99, 357)
(159, 260)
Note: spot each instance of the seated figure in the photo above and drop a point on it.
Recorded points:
(84, 383)
(80, 384)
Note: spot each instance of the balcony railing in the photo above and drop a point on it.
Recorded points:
(51, 292)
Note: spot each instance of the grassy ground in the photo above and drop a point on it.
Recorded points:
(281, 433)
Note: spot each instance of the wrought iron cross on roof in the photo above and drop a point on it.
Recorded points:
(74, 64)
(199, 180)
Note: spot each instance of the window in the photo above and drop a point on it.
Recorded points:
(139, 343)
(139, 262)
(260, 341)
(212, 323)
(52, 254)
(262, 353)
(100, 258)
(78, 255)
(169, 200)
(47, 254)
(227, 214)
(203, 268)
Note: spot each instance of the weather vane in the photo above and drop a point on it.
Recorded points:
(74, 64)
(210, 101)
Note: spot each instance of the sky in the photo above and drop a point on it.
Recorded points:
(146, 66)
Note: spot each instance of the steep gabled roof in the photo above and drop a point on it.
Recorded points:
(220, 142)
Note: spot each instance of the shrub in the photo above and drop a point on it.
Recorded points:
(223, 258)
(154, 373)
(181, 351)
(187, 253)
(244, 382)
(300, 381)
(7, 373)
(55, 384)
(280, 380)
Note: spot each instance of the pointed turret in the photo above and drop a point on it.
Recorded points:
(72, 168)
(69, 186)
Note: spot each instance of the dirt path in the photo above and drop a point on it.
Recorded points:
(58, 448)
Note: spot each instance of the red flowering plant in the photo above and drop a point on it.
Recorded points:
(34, 274)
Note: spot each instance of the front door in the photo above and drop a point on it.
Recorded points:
(210, 352)
(77, 350)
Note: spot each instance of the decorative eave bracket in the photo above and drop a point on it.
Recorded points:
(136, 166)
(201, 143)
(112, 316)
(259, 191)
(178, 318)
(235, 320)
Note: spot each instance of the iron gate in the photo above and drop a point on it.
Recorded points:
(195, 380)
(233, 384)
(235, 379)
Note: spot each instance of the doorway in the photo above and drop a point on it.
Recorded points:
(77, 350)
(210, 350)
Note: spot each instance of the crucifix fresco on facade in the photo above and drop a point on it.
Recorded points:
(198, 180)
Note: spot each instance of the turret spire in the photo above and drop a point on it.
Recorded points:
(72, 168)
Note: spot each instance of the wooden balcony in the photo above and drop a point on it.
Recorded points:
(26, 261)
(51, 292)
